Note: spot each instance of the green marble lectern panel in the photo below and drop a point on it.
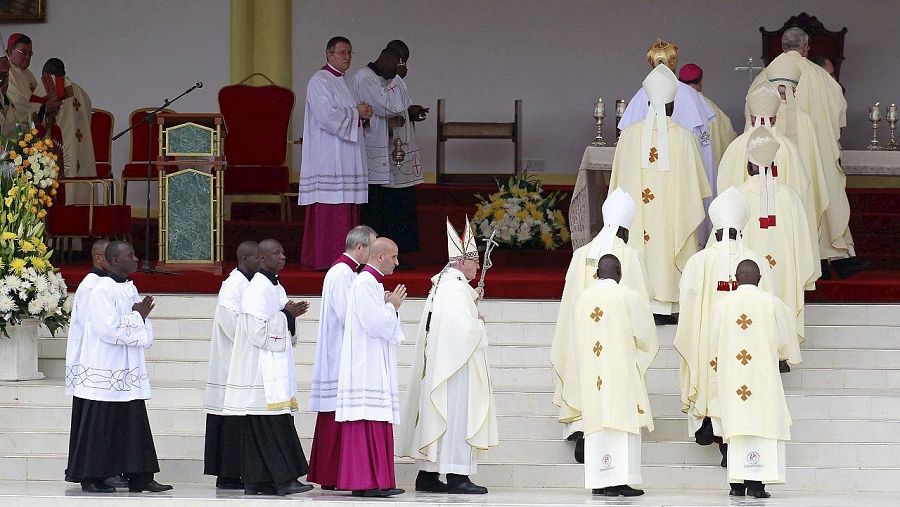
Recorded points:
(190, 140)
(189, 232)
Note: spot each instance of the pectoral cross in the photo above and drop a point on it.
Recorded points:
(749, 69)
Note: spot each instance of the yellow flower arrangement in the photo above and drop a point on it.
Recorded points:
(522, 216)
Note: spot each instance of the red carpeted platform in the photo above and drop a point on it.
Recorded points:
(517, 274)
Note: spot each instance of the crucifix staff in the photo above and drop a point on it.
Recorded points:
(749, 69)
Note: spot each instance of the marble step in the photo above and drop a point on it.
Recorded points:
(510, 400)
(514, 451)
(570, 475)
(513, 426)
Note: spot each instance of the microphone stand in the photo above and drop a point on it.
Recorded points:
(149, 119)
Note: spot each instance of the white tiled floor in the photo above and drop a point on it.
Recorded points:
(51, 494)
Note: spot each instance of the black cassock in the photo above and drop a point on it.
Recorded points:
(223, 447)
(272, 450)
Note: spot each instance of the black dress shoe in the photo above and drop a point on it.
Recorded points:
(826, 270)
(598, 491)
(737, 489)
(626, 490)
(467, 488)
(756, 489)
(429, 482)
(229, 483)
(327, 488)
(848, 267)
(96, 487)
(152, 487)
(377, 493)
(293, 487)
(258, 489)
(723, 448)
(784, 367)
(393, 491)
(579, 450)
(117, 481)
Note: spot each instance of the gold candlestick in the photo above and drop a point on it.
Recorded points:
(874, 117)
(620, 111)
(599, 115)
(892, 121)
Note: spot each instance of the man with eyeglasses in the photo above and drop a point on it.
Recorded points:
(392, 193)
(333, 178)
(22, 83)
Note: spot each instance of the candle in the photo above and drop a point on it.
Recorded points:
(599, 110)
(875, 112)
(892, 113)
(620, 107)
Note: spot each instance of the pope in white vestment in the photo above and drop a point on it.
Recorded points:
(616, 342)
(708, 276)
(618, 214)
(778, 229)
(449, 412)
(367, 404)
(658, 162)
(222, 451)
(753, 330)
(324, 457)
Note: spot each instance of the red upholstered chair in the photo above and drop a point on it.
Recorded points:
(67, 221)
(136, 168)
(822, 42)
(256, 123)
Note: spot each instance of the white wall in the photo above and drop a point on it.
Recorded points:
(135, 53)
(559, 55)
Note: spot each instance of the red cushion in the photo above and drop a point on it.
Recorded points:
(256, 180)
(104, 170)
(138, 170)
(72, 220)
(112, 220)
(139, 136)
(101, 134)
(256, 121)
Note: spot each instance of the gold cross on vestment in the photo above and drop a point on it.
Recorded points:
(653, 154)
(744, 392)
(76, 104)
(744, 322)
(646, 236)
(714, 364)
(599, 383)
(771, 260)
(744, 357)
(597, 314)
(647, 195)
(79, 135)
(639, 410)
(595, 276)
(597, 348)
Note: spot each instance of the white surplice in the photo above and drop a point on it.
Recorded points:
(367, 382)
(228, 311)
(74, 368)
(333, 166)
(388, 98)
(112, 352)
(261, 377)
(22, 85)
(335, 291)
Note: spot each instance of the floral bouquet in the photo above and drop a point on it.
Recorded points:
(29, 285)
(522, 216)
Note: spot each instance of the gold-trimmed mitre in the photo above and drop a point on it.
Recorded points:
(663, 51)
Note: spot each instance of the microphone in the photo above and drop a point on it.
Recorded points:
(199, 84)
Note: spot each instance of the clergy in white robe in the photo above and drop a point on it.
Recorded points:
(449, 415)
(368, 393)
(616, 342)
(799, 166)
(753, 330)
(22, 83)
(7, 109)
(691, 111)
(262, 382)
(778, 229)
(708, 275)
(720, 129)
(333, 176)
(324, 457)
(618, 214)
(658, 162)
(391, 208)
(222, 449)
(113, 434)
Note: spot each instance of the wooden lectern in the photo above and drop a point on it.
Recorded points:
(190, 198)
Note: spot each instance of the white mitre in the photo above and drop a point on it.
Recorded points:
(761, 150)
(459, 248)
(763, 101)
(728, 211)
(660, 86)
(618, 211)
